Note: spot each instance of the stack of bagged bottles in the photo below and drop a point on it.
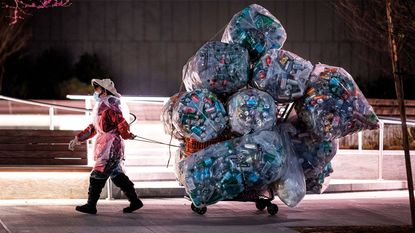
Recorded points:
(200, 115)
(282, 74)
(251, 110)
(221, 68)
(234, 87)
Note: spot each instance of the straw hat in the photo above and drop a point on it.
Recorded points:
(107, 84)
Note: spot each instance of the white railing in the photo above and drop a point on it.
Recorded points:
(382, 122)
(47, 105)
(87, 110)
(161, 100)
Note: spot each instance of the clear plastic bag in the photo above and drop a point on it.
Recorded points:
(200, 115)
(107, 145)
(219, 67)
(167, 114)
(320, 183)
(251, 110)
(282, 74)
(333, 105)
(315, 154)
(224, 170)
(178, 157)
(256, 29)
(291, 187)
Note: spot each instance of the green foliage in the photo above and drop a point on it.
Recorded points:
(73, 86)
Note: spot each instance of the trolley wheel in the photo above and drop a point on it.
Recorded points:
(198, 210)
(261, 204)
(272, 209)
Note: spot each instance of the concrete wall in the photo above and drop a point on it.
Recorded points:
(45, 185)
(146, 43)
(352, 165)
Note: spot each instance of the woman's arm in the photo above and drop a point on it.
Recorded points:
(87, 133)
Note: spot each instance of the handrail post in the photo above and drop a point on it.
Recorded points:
(380, 156)
(360, 141)
(89, 151)
(51, 119)
(109, 190)
(87, 106)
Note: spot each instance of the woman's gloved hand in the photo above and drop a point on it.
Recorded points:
(73, 143)
(132, 136)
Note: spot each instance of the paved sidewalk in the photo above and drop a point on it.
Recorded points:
(174, 215)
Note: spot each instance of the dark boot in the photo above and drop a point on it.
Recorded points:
(94, 191)
(125, 184)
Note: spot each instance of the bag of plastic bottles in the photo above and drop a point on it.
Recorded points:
(178, 157)
(251, 110)
(166, 116)
(333, 105)
(320, 183)
(291, 187)
(315, 155)
(200, 115)
(224, 170)
(282, 74)
(256, 29)
(219, 67)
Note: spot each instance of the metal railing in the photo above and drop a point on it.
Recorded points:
(87, 110)
(382, 122)
(51, 107)
(162, 100)
(88, 104)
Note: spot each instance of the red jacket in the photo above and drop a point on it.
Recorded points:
(111, 127)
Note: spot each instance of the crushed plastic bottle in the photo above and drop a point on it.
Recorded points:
(219, 67)
(251, 110)
(226, 169)
(282, 74)
(200, 115)
(256, 29)
(333, 105)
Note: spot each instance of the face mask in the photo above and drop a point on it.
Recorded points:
(96, 97)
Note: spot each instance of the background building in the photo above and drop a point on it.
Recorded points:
(144, 44)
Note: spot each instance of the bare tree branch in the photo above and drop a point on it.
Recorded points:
(12, 39)
(368, 24)
(20, 8)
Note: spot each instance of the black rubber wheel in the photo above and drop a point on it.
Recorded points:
(202, 210)
(261, 204)
(272, 209)
(197, 210)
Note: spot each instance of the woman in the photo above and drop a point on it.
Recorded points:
(111, 128)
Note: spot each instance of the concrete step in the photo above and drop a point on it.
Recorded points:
(148, 151)
(349, 185)
(160, 189)
(148, 160)
(145, 161)
(173, 189)
(153, 189)
(155, 173)
(148, 157)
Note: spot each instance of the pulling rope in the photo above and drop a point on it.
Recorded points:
(142, 139)
(148, 140)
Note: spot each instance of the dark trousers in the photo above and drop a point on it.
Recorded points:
(97, 182)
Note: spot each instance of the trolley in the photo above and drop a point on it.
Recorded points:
(261, 199)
